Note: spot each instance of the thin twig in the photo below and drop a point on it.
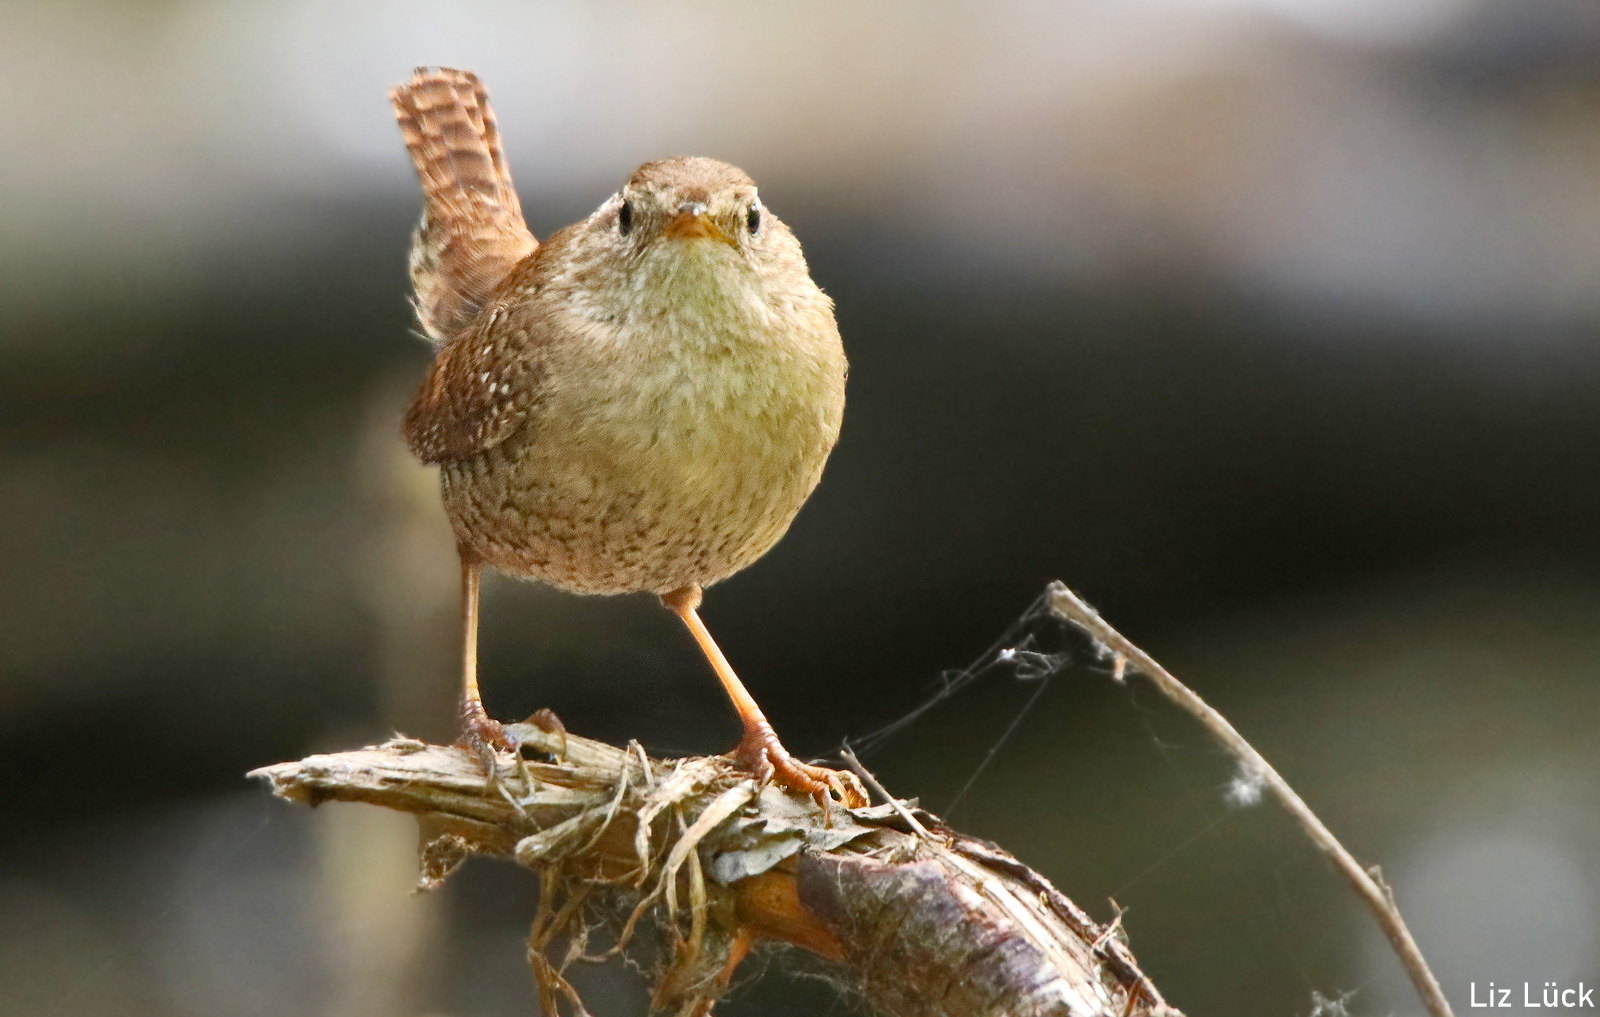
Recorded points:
(1377, 896)
(894, 803)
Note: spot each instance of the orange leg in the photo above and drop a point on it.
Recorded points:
(759, 751)
(479, 731)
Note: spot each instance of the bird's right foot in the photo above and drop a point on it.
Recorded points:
(484, 735)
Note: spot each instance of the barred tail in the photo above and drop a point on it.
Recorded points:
(472, 233)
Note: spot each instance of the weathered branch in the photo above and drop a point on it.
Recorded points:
(1376, 894)
(922, 920)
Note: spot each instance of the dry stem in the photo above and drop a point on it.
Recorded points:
(923, 921)
(1377, 895)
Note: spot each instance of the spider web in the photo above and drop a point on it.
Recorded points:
(1039, 646)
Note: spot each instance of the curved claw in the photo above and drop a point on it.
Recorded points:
(541, 737)
(846, 785)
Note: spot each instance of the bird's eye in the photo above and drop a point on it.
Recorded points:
(752, 218)
(625, 218)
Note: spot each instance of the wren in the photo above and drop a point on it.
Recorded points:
(640, 404)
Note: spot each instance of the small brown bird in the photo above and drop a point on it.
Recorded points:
(639, 404)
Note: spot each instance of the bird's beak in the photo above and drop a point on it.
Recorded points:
(692, 221)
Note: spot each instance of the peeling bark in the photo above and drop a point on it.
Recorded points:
(922, 920)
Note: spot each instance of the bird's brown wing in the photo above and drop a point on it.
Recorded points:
(481, 387)
(472, 233)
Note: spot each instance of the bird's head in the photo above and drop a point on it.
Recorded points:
(690, 230)
(673, 201)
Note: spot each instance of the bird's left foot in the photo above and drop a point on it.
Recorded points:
(763, 755)
(483, 734)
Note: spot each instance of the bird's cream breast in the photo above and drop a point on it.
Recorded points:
(713, 397)
(682, 474)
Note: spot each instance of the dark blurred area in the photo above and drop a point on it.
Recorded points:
(1268, 325)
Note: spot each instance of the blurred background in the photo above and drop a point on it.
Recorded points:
(1269, 325)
